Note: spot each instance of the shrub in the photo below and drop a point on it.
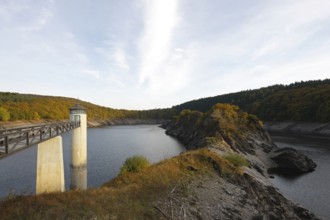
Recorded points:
(4, 114)
(134, 164)
(237, 160)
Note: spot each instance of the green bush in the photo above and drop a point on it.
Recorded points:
(4, 114)
(134, 164)
(237, 160)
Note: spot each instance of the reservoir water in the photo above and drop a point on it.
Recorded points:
(311, 190)
(108, 147)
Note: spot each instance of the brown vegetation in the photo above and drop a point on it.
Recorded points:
(128, 196)
(36, 107)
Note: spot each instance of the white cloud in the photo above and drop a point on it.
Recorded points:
(116, 81)
(114, 53)
(120, 59)
(160, 21)
(93, 73)
(25, 16)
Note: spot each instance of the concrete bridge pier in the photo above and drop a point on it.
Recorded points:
(50, 168)
(78, 178)
(79, 148)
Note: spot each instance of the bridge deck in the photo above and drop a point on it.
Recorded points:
(16, 139)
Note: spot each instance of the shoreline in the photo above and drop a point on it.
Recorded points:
(303, 128)
(90, 123)
(298, 128)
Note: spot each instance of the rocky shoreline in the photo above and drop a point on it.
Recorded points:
(246, 197)
(306, 128)
(255, 193)
(255, 145)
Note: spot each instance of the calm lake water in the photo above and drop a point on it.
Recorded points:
(108, 147)
(311, 190)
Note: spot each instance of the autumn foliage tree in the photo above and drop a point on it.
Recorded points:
(36, 107)
(302, 101)
(4, 114)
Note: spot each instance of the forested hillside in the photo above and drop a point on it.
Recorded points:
(14, 106)
(302, 101)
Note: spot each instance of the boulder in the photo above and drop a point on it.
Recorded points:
(290, 161)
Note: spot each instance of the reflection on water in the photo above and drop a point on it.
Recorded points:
(312, 190)
(78, 178)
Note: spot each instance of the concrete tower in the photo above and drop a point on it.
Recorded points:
(79, 137)
(79, 148)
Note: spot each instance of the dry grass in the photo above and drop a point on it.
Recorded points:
(237, 160)
(128, 196)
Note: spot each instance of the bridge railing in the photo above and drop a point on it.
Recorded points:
(15, 139)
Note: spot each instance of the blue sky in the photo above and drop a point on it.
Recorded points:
(143, 54)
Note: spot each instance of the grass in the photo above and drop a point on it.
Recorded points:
(237, 160)
(128, 196)
(134, 164)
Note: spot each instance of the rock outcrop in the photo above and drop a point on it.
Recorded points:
(291, 162)
(230, 129)
(226, 129)
(219, 198)
(224, 123)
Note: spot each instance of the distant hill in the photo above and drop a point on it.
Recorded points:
(15, 106)
(301, 101)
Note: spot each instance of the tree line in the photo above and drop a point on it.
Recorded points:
(15, 106)
(301, 101)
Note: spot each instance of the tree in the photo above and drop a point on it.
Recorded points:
(36, 116)
(4, 114)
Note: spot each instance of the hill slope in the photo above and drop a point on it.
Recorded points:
(302, 101)
(35, 107)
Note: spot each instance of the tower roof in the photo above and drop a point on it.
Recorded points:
(77, 107)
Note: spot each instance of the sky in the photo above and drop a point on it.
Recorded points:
(145, 54)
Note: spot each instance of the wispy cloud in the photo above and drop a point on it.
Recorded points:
(25, 16)
(160, 20)
(120, 59)
(115, 53)
(93, 73)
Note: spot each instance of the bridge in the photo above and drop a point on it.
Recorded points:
(50, 164)
(17, 139)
